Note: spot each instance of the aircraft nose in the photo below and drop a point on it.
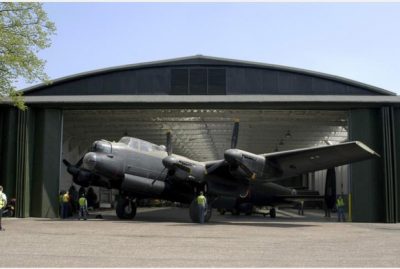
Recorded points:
(89, 161)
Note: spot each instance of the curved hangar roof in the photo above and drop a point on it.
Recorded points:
(203, 75)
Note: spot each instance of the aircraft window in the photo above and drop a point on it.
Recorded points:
(145, 147)
(134, 144)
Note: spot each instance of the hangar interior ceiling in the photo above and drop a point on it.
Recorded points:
(204, 134)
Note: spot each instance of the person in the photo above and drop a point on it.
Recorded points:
(65, 205)
(60, 203)
(301, 208)
(3, 203)
(92, 199)
(340, 208)
(73, 199)
(81, 191)
(82, 207)
(201, 203)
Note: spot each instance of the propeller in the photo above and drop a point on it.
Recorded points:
(233, 157)
(79, 176)
(73, 169)
(235, 134)
(170, 162)
(234, 140)
(247, 171)
(169, 143)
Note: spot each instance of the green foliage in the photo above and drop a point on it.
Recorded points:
(24, 30)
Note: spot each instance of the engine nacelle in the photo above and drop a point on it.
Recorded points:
(255, 163)
(104, 164)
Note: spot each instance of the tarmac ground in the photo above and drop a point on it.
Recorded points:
(165, 237)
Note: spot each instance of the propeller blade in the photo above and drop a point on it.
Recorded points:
(248, 172)
(171, 163)
(67, 163)
(183, 167)
(213, 167)
(235, 134)
(169, 143)
(79, 163)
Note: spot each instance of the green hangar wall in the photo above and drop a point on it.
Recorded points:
(31, 141)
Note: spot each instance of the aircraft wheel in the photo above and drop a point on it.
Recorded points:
(126, 209)
(272, 213)
(235, 212)
(194, 212)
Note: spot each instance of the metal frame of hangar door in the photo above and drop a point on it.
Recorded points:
(31, 162)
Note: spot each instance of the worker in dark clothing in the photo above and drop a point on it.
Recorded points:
(73, 199)
(92, 199)
(201, 203)
(301, 208)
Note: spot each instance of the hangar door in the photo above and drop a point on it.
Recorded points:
(204, 134)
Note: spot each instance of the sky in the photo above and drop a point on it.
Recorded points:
(358, 41)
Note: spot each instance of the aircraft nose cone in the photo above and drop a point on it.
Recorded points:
(89, 161)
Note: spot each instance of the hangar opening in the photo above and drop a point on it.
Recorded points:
(203, 134)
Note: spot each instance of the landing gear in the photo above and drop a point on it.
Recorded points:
(221, 211)
(194, 212)
(126, 208)
(272, 212)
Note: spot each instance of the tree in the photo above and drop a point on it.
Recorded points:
(24, 30)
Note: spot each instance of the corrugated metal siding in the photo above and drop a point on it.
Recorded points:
(215, 79)
(367, 179)
(389, 162)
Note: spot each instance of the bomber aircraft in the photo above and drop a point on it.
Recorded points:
(140, 169)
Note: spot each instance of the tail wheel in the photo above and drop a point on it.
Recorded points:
(126, 209)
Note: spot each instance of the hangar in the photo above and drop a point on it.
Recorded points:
(199, 98)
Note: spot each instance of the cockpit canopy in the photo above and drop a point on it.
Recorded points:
(141, 145)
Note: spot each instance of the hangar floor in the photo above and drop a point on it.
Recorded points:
(162, 237)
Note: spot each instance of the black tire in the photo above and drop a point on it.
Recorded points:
(235, 212)
(194, 214)
(272, 213)
(124, 211)
(222, 211)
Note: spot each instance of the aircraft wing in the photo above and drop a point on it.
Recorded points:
(295, 162)
(285, 164)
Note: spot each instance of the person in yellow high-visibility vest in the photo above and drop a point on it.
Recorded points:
(82, 207)
(201, 203)
(3, 203)
(65, 205)
(340, 208)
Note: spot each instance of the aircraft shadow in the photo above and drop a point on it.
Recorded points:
(180, 217)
